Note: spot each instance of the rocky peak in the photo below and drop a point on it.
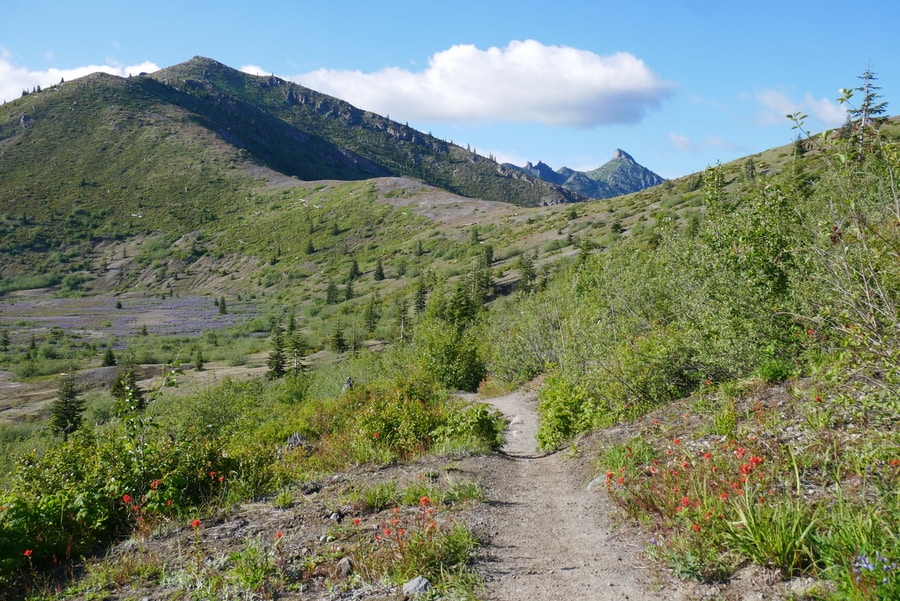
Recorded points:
(621, 155)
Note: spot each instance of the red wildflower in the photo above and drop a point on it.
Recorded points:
(387, 531)
(212, 474)
(746, 468)
(356, 521)
(154, 485)
(375, 435)
(278, 534)
(169, 502)
(685, 501)
(677, 441)
(707, 455)
(126, 499)
(620, 480)
(696, 527)
(724, 496)
(740, 452)
(27, 553)
(195, 523)
(426, 501)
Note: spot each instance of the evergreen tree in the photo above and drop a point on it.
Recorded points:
(222, 308)
(298, 347)
(348, 291)
(338, 342)
(4, 341)
(277, 359)
(353, 271)
(199, 362)
(109, 358)
(372, 313)
(421, 295)
(331, 293)
(527, 274)
(379, 271)
(67, 411)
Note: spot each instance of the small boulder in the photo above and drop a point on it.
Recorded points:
(416, 586)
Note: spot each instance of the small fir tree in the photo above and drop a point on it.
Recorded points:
(277, 359)
(67, 411)
(379, 271)
(109, 358)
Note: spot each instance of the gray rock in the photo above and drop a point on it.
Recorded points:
(416, 586)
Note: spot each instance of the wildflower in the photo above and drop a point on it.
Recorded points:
(818, 399)
(126, 499)
(724, 496)
(221, 478)
(375, 435)
(696, 527)
(154, 485)
(136, 508)
(169, 502)
(387, 531)
(212, 474)
(685, 501)
(278, 534)
(356, 521)
(620, 480)
(740, 452)
(609, 476)
(27, 553)
(195, 523)
(746, 468)
(708, 382)
(707, 455)
(426, 501)
(685, 465)
(894, 462)
(677, 441)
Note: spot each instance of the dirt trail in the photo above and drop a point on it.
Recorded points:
(551, 534)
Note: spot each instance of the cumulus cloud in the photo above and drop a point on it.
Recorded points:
(524, 82)
(15, 79)
(775, 105)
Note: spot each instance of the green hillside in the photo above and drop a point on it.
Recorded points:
(722, 348)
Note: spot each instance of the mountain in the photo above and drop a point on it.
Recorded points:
(104, 157)
(619, 176)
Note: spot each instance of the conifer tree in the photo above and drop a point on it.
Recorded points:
(67, 411)
(379, 271)
(331, 293)
(277, 360)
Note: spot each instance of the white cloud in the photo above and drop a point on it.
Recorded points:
(682, 142)
(524, 82)
(777, 104)
(14, 79)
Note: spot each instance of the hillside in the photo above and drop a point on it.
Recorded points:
(221, 378)
(182, 147)
(619, 176)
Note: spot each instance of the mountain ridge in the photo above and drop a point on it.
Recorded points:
(619, 176)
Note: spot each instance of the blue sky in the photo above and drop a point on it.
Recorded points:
(679, 84)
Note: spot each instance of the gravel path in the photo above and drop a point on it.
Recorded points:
(551, 537)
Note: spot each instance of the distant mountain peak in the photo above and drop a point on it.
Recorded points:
(621, 155)
(621, 175)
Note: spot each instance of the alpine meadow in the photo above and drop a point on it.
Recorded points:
(250, 336)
